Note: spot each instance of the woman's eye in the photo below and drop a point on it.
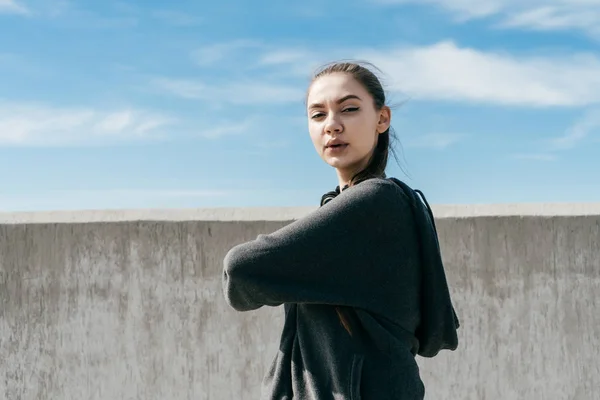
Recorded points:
(350, 109)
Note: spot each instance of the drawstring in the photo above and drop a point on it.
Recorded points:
(327, 197)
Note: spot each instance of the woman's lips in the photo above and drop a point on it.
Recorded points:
(336, 148)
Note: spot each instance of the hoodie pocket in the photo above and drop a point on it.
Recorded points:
(356, 376)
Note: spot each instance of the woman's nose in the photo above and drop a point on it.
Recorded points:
(333, 125)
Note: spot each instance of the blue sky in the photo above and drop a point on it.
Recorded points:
(148, 104)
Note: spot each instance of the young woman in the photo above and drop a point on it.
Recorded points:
(361, 278)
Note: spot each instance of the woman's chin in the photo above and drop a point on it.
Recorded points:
(335, 162)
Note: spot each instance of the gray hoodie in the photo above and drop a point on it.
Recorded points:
(371, 254)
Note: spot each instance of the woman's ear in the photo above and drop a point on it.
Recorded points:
(385, 118)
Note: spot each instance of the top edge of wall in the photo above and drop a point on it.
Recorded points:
(286, 213)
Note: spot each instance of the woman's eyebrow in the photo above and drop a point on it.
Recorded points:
(339, 101)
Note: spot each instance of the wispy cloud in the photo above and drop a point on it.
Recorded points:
(575, 136)
(227, 128)
(185, 88)
(214, 53)
(242, 92)
(251, 55)
(287, 57)
(462, 9)
(299, 63)
(581, 129)
(548, 18)
(436, 140)
(12, 7)
(73, 15)
(42, 125)
(265, 129)
(583, 15)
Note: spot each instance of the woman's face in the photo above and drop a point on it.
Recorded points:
(340, 108)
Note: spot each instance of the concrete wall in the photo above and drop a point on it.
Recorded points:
(128, 305)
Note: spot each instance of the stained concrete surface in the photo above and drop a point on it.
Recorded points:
(128, 305)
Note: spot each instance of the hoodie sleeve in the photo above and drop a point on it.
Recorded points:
(335, 255)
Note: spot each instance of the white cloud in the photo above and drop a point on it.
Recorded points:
(73, 15)
(242, 92)
(440, 71)
(574, 136)
(294, 62)
(285, 57)
(186, 88)
(445, 71)
(555, 18)
(217, 52)
(228, 129)
(436, 140)
(265, 129)
(12, 7)
(462, 9)
(531, 14)
(41, 125)
(579, 131)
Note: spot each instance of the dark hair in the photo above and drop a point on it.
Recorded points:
(379, 158)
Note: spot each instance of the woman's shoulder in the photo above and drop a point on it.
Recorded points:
(382, 195)
(378, 186)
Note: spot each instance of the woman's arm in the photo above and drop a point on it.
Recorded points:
(341, 254)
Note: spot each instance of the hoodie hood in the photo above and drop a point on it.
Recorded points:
(438, 323)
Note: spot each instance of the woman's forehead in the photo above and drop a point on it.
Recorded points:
(334, 86)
